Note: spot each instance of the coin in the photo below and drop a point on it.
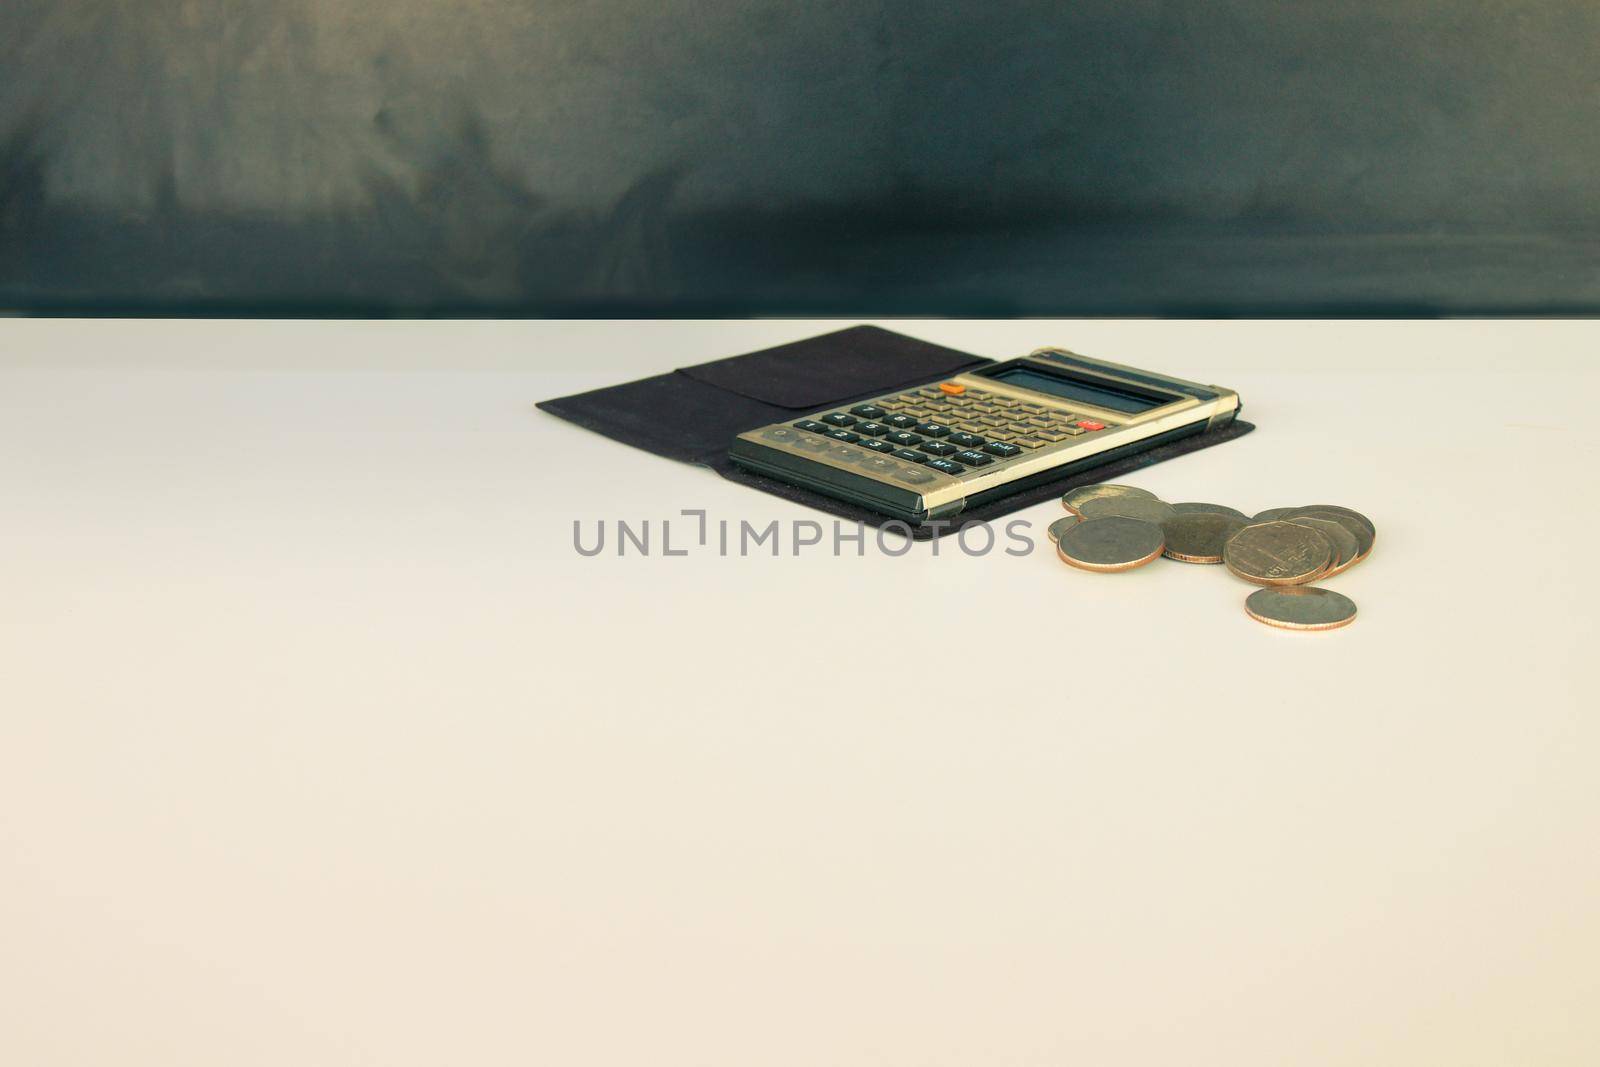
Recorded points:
(1302, 607)
(1345, 546)
(1272, 514)
(1277, 553)
(1060, 526)
(1358, 529)
(1372, 529)
(1114, 543)
(1198, 536)
(1208, 509)
(1074, 499)
(1146, 509)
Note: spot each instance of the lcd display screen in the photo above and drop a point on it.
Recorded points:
(1113, 396)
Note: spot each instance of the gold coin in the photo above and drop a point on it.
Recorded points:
(1356, 516)
(1302, 607)
(1345, 546)
(1145, 509)
(1198, 536)
(1114, 543)
(1074, 499)
(1277, 553)
(1060, 526)
(1208, 509)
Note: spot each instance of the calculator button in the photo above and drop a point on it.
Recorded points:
(1003, 402)
(901, 421)
(932, 429)
(839, 418)
(871, 429)
(946, 466)
(997, 448)
(914, 476)
(993, 422)
(843, 435)
(1053, 435)
(966, 440)
(812, 444)
(1030, 442)
(811, 424)
(938, 448)
(952, 388)
(974, 459)
(847, 455)
(910, 456)
(1090, 424)
(876, 446)
(900, 437)
(784, 435)
(867, 411)
(1070, 431)
(879, 465)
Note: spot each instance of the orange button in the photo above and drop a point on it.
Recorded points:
(952, 388)
(1090, 424)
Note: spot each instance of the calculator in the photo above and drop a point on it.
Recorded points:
(931, 451)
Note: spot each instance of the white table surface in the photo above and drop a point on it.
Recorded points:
(320, 743)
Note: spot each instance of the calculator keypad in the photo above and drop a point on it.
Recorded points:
(909, 436)
(995, 427)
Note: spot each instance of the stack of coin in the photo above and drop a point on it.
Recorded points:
(1120, 527)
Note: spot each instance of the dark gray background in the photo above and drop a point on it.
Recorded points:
(675, 157)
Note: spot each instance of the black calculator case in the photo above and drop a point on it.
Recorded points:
(693, 414)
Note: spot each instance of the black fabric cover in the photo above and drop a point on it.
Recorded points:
(692, 414)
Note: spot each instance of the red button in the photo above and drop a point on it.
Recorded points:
(1090, 424)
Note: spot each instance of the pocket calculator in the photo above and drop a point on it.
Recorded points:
(929, 452)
